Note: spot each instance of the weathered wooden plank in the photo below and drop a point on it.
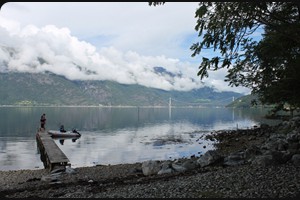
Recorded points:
(52, 153)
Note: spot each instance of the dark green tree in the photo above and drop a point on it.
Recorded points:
(276, 79)
(269, 67)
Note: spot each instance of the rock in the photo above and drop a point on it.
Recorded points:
(178, 168)
(165, 171)
(296, 159)
(58, 168)
(150, 167)
(190, 164)
(165, 168)
(233, 159)
(251, 152)
(49, 178)
(263, 160)
(70, 170)
(210, 157)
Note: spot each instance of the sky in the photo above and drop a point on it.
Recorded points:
(118, 41)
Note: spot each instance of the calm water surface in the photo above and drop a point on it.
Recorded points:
(117, 135)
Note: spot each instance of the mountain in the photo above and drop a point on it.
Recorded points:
(51, 89)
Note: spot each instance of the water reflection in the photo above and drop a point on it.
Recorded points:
(62, 141)
(117, 135)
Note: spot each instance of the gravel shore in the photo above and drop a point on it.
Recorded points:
(128, 181)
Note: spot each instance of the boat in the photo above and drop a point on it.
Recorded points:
(67, 134)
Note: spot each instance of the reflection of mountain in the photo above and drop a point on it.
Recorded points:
(51, 89)
(24, 121)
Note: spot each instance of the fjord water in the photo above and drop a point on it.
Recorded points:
(116, 135)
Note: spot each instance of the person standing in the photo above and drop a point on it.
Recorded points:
(43, 121)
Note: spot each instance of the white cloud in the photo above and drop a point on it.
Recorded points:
(104, 41)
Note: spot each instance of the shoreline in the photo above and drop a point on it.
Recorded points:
(246, 180)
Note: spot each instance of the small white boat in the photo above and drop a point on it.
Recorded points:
(67, 134)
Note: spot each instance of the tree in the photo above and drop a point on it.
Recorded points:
(277, 78)
(268, 67)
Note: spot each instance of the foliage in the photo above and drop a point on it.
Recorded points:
(277, 77)
(269, 67)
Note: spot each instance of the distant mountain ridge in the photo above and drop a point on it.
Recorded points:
(51, 89)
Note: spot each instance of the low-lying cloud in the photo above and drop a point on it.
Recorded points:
(52, 49)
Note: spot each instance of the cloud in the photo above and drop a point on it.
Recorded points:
(56, 50)
(113, 46)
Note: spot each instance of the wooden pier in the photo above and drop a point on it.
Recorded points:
(51, 154)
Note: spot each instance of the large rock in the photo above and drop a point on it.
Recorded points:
(252, 152)
(178, 167)
(210, 157)
(190, 164)
(150, 167)
(165, 168)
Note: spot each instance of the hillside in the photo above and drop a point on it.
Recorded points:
(51, 89)
(245, 102)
